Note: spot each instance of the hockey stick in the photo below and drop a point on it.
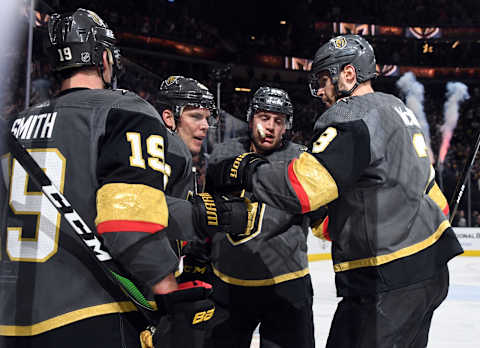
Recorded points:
(457, 195)
(82, 231)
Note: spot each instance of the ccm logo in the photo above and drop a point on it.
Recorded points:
(203, 316)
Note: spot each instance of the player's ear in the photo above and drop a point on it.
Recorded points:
(168, 119)
(350, 73)
(107, 57)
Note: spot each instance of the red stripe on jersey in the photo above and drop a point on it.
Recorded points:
(325, 233)
(194, 284)
(446, 210)
(297, 187)
(128, 225)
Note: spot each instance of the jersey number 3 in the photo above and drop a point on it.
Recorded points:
(324, 140)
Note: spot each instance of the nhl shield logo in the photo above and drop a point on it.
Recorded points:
(340, 42)
(85, 57)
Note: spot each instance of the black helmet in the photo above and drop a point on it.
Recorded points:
(339, 52)
(273, 100)
(79, 40)
(179, 91)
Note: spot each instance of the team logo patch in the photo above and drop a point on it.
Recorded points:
(171, 80)
(340, 42)
(85, 57)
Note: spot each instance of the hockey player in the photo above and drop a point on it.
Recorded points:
(264, 278)
(390, 239)
(188, 110)
(105, 150)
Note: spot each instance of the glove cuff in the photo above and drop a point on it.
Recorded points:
(186, 292)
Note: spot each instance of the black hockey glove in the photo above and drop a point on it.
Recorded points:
(196, 262)
(218, 213)
(187, 315)
(233, 174)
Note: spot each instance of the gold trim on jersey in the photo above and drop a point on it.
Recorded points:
(382, 259)
(437, 196)
(133, 202)
(253, 222)
(315, 180)
(67, 318)
(261, 282)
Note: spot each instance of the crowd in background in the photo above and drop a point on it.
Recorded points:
(413, 12)
(255, 27)
(143, 75)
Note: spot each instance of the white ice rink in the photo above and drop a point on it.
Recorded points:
(455, 324)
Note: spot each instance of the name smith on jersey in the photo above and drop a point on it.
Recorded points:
(34, 126)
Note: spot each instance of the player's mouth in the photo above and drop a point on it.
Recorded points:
(269, 139)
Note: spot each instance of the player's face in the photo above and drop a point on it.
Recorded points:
(273, 125)
(193, 127)
(326, 89)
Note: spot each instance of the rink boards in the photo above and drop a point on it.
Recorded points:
(469, 238)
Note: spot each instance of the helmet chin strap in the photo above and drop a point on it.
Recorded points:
(344, 93)
(113, 80)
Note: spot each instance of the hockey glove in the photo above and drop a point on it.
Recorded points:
(215, 213)
(233, 174)
(196, 262)
(187, 315)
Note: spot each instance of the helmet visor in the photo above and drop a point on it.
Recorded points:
(316, 82)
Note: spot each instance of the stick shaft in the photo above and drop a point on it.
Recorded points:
(63, 206)
(460, 188)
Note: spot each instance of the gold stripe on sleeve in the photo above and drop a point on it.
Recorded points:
(131, 202)
(315, 180)
(437, 196)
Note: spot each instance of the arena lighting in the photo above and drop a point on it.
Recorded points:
(11, 35)
(242, 89)
(283, 22)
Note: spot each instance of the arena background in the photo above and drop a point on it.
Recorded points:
(427, 54)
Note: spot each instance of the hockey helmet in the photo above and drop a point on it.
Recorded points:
(273, 100)
(178, 92)
(340, 51)
(79, 40)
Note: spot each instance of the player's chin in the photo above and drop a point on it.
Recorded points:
(267, 146)
(327, 102)
(195, 147)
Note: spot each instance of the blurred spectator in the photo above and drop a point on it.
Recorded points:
(460, 220)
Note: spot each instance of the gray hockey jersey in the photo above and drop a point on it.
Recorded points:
(105, 150)
(369, 163)
(276, 250)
